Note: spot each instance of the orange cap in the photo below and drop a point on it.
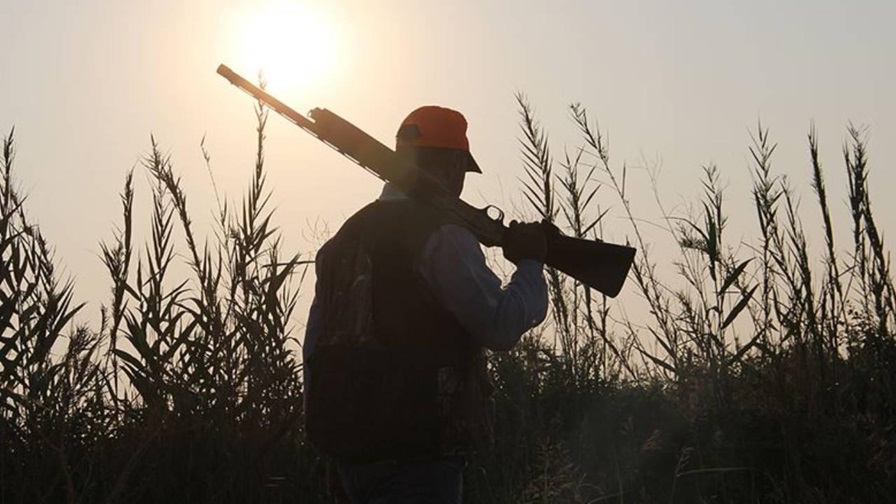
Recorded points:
(434, 126)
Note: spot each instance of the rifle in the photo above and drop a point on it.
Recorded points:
(596, 264)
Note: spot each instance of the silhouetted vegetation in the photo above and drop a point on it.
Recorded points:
(760, 373)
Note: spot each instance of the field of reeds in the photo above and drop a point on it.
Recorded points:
(757, 373)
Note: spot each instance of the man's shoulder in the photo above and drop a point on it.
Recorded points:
(404, 221)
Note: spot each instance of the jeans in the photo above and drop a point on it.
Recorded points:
(424, 482)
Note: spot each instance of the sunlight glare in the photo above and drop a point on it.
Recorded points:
(291, 45)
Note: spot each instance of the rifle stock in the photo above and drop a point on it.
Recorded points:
(596, 264)
(599, 265)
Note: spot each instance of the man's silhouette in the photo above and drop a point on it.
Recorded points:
(396, 382)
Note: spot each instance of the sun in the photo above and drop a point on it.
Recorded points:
(294, 47)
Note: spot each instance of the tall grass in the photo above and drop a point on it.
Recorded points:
(770, 379)
(53, 408)
(756, 372)
(189, 389)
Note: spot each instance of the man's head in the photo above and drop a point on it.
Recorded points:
(436, 138)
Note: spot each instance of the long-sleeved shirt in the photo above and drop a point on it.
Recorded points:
(453, 266)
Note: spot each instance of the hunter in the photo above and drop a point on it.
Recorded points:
(397, 390)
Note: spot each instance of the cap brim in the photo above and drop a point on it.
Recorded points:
(472, 165)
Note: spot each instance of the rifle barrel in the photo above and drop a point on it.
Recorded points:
(263, 96)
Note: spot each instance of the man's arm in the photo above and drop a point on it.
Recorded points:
(454, 267)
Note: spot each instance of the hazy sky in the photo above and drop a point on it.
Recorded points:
(678, 85)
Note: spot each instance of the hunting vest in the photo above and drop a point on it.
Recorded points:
(393, 375)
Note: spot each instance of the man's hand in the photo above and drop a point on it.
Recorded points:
(525, 241)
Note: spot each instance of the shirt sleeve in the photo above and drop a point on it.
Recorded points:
(454, 267)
